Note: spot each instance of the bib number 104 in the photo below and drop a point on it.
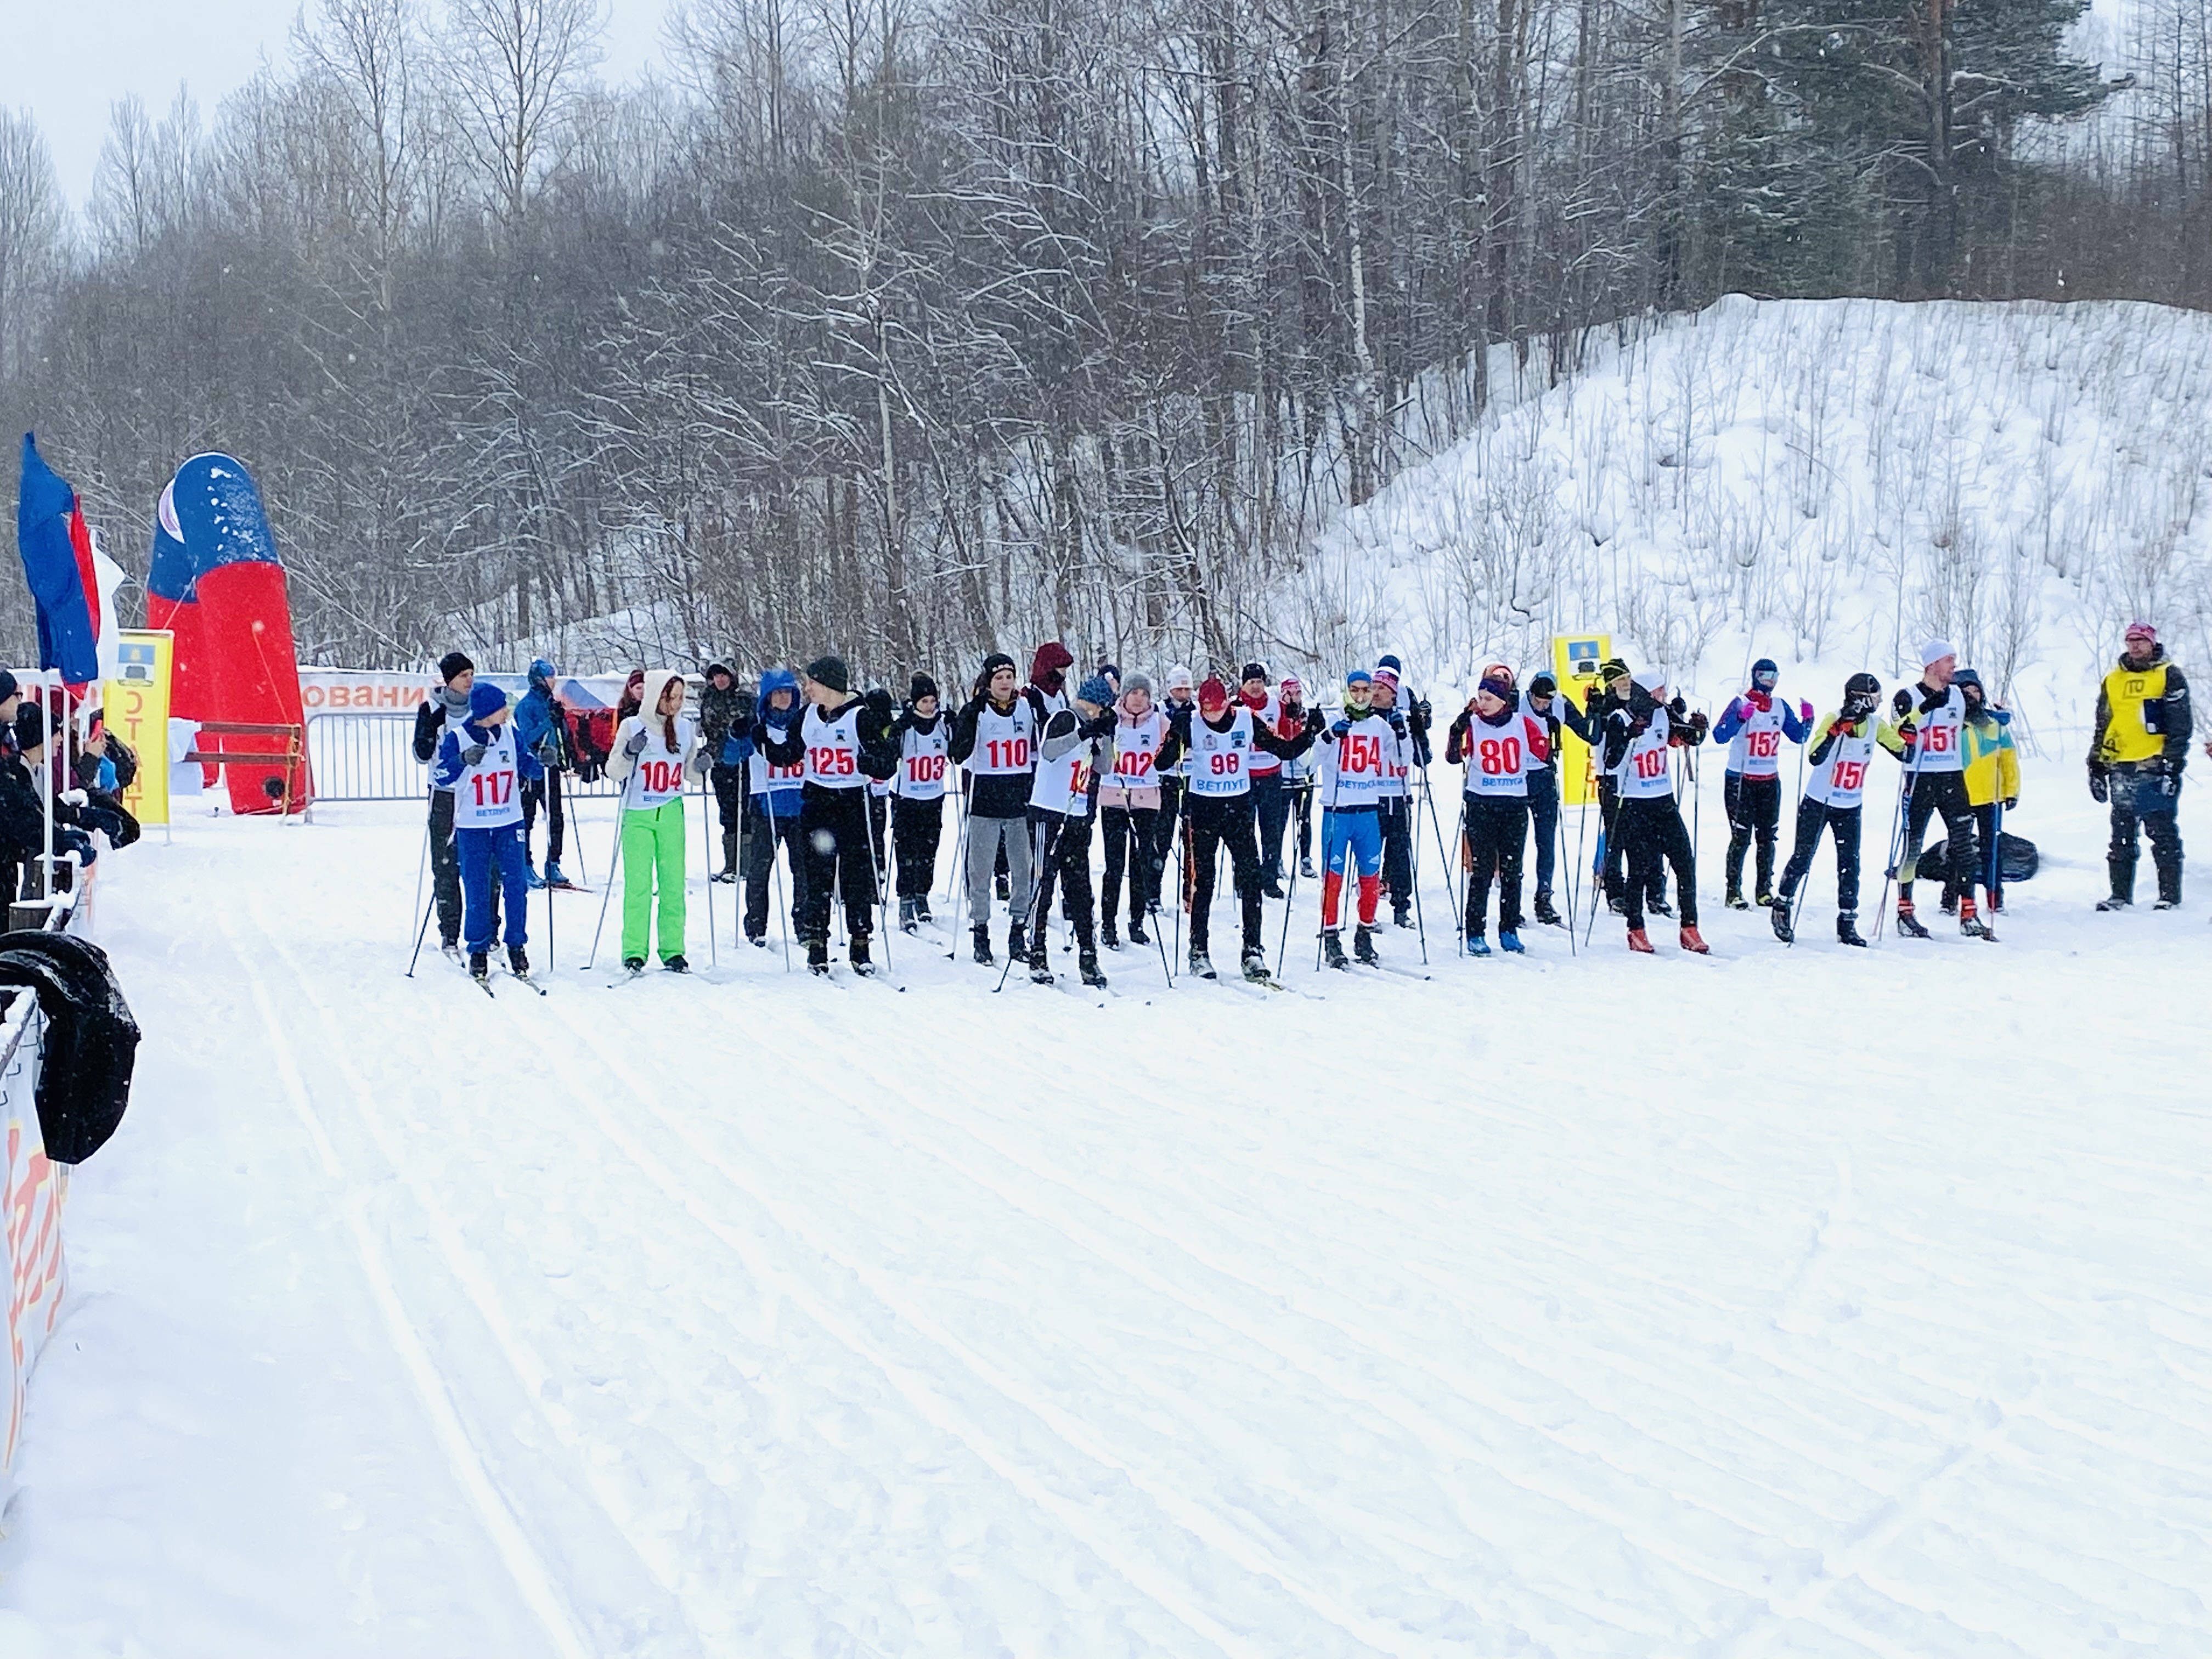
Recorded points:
(662, 777)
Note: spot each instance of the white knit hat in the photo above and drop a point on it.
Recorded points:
(1933, 651)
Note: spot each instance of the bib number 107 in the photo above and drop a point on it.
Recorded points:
(1651, 763)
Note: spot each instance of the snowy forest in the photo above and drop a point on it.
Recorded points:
(910, 326)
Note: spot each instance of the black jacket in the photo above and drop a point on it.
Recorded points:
(989, 797)
(879, 753)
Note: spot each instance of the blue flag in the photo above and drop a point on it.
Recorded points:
(58, 568)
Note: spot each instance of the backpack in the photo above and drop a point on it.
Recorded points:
(2017, 859)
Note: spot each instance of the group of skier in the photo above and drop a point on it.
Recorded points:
(1190, 771)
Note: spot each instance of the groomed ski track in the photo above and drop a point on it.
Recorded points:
(1806, 1302)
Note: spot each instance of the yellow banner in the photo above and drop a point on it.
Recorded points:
(135, 707)
(1575, 658)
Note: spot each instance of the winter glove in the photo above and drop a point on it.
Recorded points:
(475, 752)
(2100, 791)
(2169, 783)
(1840, 726)
(1935, 699)
(1397, 723)
(1462, 721)
(1902, 703)
(1421, 717)
(1804, 711)
(633, 748)
(547, 748)
(1315, 721)
(2010, 802)
(73, 797)
(1590, 699)
(1698, 723)
(700, 760)
(1675, 706)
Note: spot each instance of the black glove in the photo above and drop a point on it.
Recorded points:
(1935, 699)
(475, 752)
(2169, 781)
(1902, 703)
(1316, 720)
(1461, 723)
(1100, 725)
(879, 700)
(1397, 723)
(2100, 790)
(1420, 716)
(1675, 706)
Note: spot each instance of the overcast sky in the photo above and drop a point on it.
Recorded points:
(67, 60)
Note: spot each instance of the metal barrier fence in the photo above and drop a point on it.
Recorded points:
(370, 755)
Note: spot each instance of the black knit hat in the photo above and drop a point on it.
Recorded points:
(8, 686)
(1543, 685)
(919, 687)
(830, 672)
(997, 660)
(451, 663)
(30, 727)
(1254, 671)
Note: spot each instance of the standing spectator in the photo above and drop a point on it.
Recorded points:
(542, 754)
(447, 707)
(726, 707)
(2137, 751)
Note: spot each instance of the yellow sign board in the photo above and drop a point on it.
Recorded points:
(1575, 658)
(135, 706)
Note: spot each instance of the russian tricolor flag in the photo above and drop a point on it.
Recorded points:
(76, 606)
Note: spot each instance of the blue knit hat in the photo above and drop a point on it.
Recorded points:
(1098, 691)
(485, 698)
(1359, 676)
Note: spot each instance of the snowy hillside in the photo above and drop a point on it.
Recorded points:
(1821, 481)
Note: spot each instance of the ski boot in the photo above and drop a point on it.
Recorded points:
(1108, 935)
(636, 965)
(1306, 870)
(758, 941)
(1694, 944)
(1907, 923)
(1086, 963)
(922, 908)
(856, 955)
(1017, 948)
(553, 875)
(1331, 948)
(817, 957)
(1736, 900)
(983, 958)
(1509, 940)
(1779, 915)
(1765, 900)
(1363, 946)
(1659, 906)
(1616, 904)
(1255, 966)
(1270, 887)
(1137, 933)
(518, 962)
(1199, 964)
(1847, 929)
(1971, 925)
(2166, 904)
(479, 966)
(1639, 942)
(1950, 904)
(1545, 915)
(1041, 962)
(2115, 902)
(1477, 945)
(675, 964)
(1401, 916)
(535, 882)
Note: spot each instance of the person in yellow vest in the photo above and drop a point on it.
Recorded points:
(1990, 765)
(2137, 753)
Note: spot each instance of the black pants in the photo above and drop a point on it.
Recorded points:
(1130, 834)
(445, 867)
(2140, 806)
(1061, 848)
(1164, 831)
(1302, 795)
(1496, 831)
(916, 826)
(1271, 811)
(1543, 820)
(1215, 823)
(729, 783)
(1653, 831)
(543, 791)
(1616, 849)
(833, 827)
(1934, 792)
(1395, 816)
(1754, 808)
(1841, 822)
(760, 868)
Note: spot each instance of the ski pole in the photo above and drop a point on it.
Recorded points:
(706, 845)
(876, 869)
(420, 933)
(1559, 830)
(421, 865)
(1453, 873)
(1437, 824)
(1290, 903)
(959, 874)
(775, 869)
(613, 864)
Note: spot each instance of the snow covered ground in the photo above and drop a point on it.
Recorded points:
(1799, 1302)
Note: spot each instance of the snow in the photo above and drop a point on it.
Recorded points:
(1805, 1302)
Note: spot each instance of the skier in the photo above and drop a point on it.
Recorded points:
(543, 754)
(1176, 692)
(1354, 755)
(1220, 739)
(475, 766)
(725, 706)
(2138, 750)
(1270, 806)
(446, 707)
(1543, 701)
(774, 798)
(1129, 809)
(1640, 737)
(1499, 745)
(1061, 804)
(1298, 775)
(1991, 769)
(1395, 808)
(843, 741)
(1613, 693)
(1753, 725)
(1925, 737)
(1835, 788)
(995, 737)
(656, 752)
(924, 734)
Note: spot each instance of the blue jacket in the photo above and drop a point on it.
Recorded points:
(782, 798)
(1794, 726)
(533, 721)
